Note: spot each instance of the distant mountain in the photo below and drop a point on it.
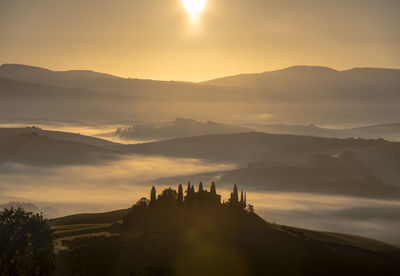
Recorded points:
(180, 127)
(256, 79)
(94, 81)
(33, 100)
(299, 94)
(318, 83)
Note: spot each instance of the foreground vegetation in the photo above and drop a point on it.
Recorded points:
(26, 243)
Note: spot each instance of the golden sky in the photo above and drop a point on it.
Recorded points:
(156, 38)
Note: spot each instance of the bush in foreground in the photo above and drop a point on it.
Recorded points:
(26, 243)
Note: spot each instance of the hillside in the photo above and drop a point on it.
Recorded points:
(34, 100)
(266, 162)
(253, 146)
(290, 84)
(316, 83)
(273, 162)
(198, 237)
(180, 127)
(94, 81)
(59, 135)
(40, 147)
(90, 218)
(389, 131)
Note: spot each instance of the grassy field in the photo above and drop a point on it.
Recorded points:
(90, 218)
(85, 225)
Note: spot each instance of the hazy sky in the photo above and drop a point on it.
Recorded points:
(156, 39)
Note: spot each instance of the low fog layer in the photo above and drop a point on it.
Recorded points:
(379, 219)
(269, 167)
(93, 188)
(119, 184)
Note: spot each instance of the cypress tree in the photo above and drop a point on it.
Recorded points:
(213, 190)
(188, 190)
(235, 194)
(245, 203)
(153, 195)
(180, 194)
(192, 192)
(200, 187)
(241, 199)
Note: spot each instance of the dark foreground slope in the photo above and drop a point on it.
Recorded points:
(221, 241)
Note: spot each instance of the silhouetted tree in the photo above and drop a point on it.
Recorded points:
(192, 191)
(245, 203)
(168, 197)
(213, 189)
(180, 194)
(200, 187)
(234, 195)
(136, 211)
(250, 208)
(241, 200)
(188, 189)
(142, 203)
(26, 243)
(153, 195)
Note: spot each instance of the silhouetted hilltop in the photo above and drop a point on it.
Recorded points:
(196, 234)
(172, 208)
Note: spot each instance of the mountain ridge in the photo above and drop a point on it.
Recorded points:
(19, 68)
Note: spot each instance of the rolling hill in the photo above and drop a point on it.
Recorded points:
(178, 128)
(253, 146)
(166, 240)
(390, 131)
(266, 162)
(40, 147)
(356, 167)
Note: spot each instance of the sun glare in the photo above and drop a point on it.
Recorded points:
(194, 7)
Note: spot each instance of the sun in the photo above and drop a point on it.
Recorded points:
(194, 7)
